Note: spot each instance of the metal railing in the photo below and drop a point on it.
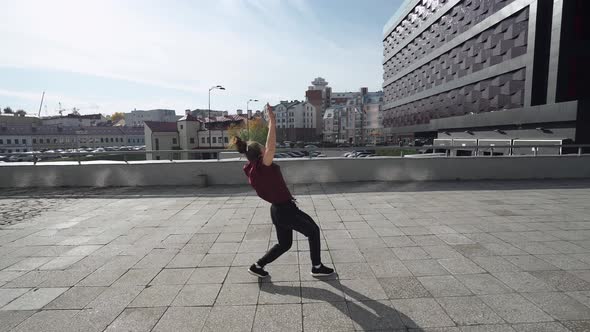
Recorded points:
(310, 153)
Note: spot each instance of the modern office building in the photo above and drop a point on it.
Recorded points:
(487, 69)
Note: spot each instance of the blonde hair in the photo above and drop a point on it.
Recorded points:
(252, 150)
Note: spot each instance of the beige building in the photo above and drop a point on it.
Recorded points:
(189, 133)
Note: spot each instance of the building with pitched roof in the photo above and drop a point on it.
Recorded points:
(189, 133)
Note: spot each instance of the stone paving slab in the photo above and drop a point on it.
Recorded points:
(446, 256)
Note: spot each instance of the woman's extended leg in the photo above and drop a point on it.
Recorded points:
(285, 240)
(304, 224)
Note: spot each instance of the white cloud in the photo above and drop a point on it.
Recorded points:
(253, 47)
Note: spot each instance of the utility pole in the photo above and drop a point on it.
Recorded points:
(212, 88)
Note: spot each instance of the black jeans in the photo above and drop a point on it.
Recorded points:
(287, 217)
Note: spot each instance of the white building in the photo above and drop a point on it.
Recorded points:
(137, 118)
(14, 139)
(161, 136)
(296, 121)
(359, 116)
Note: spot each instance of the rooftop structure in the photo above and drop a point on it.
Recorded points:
(75, 120)
(136, 118)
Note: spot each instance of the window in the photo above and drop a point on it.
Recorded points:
(112, 139)
(214, 139)
(202, 139)
(17, 150)
(208, 139)
(24, 141)
(192, 140)
(174, 141)
(55, 141)
(102, 140)
(181, 127)
(1, 141)
(9, 141)
(16, 142)
(157, 145)
(129, 140)
(226, 140)
(220, 139)
(34, 141)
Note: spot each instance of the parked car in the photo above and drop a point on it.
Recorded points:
(311, 146)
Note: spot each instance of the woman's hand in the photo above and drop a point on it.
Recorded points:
(271, 114)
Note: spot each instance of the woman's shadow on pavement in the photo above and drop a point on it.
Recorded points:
(366, 313)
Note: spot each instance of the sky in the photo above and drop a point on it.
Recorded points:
(115, 56)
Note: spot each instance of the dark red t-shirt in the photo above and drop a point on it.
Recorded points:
(267, 181)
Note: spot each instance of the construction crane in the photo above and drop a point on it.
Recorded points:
(41, 105)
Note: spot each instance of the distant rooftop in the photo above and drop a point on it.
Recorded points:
(162, 127)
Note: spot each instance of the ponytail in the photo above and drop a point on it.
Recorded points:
(251, 150)
(240, 145)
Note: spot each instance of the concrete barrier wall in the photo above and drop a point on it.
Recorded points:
(325, 170)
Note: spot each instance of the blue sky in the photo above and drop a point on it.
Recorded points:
(111, 56)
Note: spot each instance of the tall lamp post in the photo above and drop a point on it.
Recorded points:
(212, 88)
(248, 116)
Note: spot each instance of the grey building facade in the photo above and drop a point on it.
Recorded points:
(487, 69)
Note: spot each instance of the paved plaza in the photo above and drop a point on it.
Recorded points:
(442, 256)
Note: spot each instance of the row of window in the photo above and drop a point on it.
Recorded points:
(16, 141)
(23, 141)
(11, 151)
(215, 140)
(192, 141)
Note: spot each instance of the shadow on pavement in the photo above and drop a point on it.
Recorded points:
(367, 314)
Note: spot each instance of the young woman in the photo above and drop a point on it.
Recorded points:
(266, 178)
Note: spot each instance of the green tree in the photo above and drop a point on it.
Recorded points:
(117, 116)
(8, 110)
(20, 113)
(258, 131)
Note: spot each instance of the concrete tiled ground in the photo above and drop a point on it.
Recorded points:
(448, 256)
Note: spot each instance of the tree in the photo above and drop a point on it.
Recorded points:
(258, 131)
(117, 116)
(20, 113)
(8, 110)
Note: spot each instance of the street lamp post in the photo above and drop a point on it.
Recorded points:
(209, 107)
(248, 116)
